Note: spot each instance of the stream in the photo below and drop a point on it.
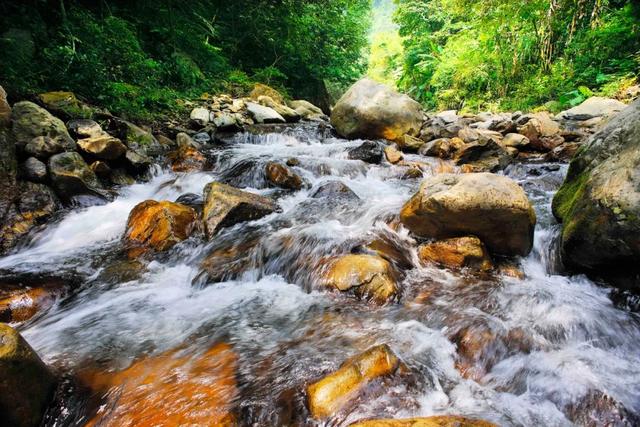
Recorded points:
(556, 339)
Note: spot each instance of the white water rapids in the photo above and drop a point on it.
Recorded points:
(578, 342)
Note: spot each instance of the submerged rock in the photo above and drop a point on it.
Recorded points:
(281, 176)
(170, 389)
(335, 391)
(370, 110)
(158, 226)
(599, 202)
(334, 189)
(461, 252)
(438, 421)
(492, 207)
(187, 159)
(226, 206)
(371, 277)
(368, 152)
(26, 384)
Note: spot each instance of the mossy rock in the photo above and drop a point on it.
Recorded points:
(599, 202)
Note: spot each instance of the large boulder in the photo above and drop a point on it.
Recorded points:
(542, 131)
(26, 385)
(593, 107)
(158, 226)
(491, 207)
(65, 104)
(288, 113)
(437, 421)
(599, 202)
(226, 206)
(30, 121)
(308, 111)
(71, 176)
(371, 110)
(332, 393)
(369, 276)
(263, 90)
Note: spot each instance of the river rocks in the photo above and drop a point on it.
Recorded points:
(593, 107)
(368, 152)
(443, 148)
(226, 206)
(136, 138)
(200, 116)
(158, 226)
(515, 140)
(370, 110)
(30, 205)
(543, 133)
(31, 121)
(333, 190)
(226, 122)
(289, 114)
(491, 207)
(64, 104)
(5, 109)
(335, 391)
(483, 156)
(26, 384)
(308, 111)
(137, 161)
(84, 128)
(599, 202)
(263, 90)
(461, 252)
(187, 159)
(33, 170)
(170, 389)
(438, 421)
(71, 176)
(281, 176)
(410, 143)
(370, 277)
(183, 140)
(104, 147)
(262, 114)
(44, 147)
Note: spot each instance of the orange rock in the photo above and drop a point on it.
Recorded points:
(439, 421)
(158, 226)
(335, 391)
(187, 159)
(443, 167)
(170, 390)
(392, 154)
(473, 344)
(459, 252)
(370, 276)
(511, 270)
(24, 304)
(281, 176)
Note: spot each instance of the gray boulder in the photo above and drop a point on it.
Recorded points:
(31, 121)
(370, 110)
(71, 176)
(34, 170)
(262, 114)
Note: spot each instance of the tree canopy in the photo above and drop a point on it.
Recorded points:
(136, 56)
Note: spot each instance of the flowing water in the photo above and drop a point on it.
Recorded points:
(554, 340)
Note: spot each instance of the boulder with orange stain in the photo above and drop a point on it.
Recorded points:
(370, 110)
(438, 421)
(334, 392)
(369, 276)
(187, 159)
(22, 305)
(170, 390)
(281, 176)
(158, 226)
(461, 252)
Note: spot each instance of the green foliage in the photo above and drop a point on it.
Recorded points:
(500, 54)
(137, 58)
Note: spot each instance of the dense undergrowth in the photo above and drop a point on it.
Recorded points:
(510, 55)
(137, 58)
